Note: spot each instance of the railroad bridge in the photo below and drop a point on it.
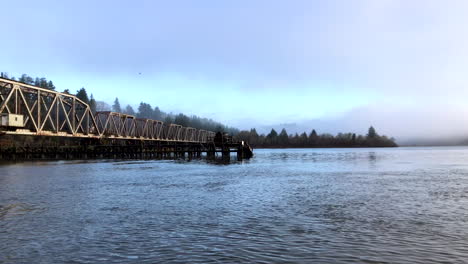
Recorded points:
(41, 123)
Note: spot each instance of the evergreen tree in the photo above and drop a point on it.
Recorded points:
(81, 94)
(145, 110)
(303, 139)
(313, 138)
(196, 122)
(273, 134)
(157, 114)
(372, 133)
(43, 83)
(293, 140)
(129, 110)
(253, 136)
(116, 106)
(168, 120)
(92, 104)
(313, 134)
(26, 79)
(51, 86)
(283, 138)
(272, 138)
(182, 120)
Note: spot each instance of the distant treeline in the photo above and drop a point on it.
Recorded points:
(272, 140)
(314, 140)
(144, 110)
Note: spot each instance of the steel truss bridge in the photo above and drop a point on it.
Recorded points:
(44, 112)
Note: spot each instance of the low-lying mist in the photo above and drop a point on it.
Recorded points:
(440, 124)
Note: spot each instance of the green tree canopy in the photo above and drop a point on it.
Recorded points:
(129, 110)
(182, 120)
(145, 110)
(273, 134)
(50, 85)
(82, 95)
(92, 104)
(157, 114)
(26, 79)
(168, 120)
(116, 106)
(283, 138)
(372, 133)
(313, 134)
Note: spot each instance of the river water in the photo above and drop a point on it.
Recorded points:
(401, 205)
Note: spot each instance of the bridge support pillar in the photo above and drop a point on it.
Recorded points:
(210, 153)
(240, 153)
(226, 153)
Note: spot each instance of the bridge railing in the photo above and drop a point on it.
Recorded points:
(31, 110)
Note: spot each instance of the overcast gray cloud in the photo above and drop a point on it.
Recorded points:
(400, 65)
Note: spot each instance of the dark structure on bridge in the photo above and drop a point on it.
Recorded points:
(37, 123)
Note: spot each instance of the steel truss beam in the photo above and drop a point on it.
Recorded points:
(52, 113)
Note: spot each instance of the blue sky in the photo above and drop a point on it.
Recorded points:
(334, 65)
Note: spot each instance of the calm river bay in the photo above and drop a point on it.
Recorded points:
(401, 205)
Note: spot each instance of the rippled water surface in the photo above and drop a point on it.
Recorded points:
(404, 205)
